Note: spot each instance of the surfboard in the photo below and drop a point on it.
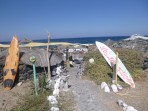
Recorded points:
(110, 57)
(11, 64)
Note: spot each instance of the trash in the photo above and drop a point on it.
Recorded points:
(125, 106)
(103, 84)
(119, 86)
(91, 60)
(52, 100)
(114, 88)
(54, 109)
(19, 84)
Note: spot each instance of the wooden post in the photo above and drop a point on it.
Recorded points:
(115, 70)
(116, 66)
(114, 73)
(49, 76)
(67, 58)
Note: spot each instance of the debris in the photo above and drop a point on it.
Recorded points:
(114, 88)
(91, 60)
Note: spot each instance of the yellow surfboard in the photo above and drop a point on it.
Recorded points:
(11, 64)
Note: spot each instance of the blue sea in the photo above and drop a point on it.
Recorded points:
(81, 40)
(85, 40)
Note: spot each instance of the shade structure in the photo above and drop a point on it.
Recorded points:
(41, 57)
(37, 44)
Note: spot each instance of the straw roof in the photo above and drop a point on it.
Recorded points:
(41, 57)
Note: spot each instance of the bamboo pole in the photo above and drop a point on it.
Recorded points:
(48, 75)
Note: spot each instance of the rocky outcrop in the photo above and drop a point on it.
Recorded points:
(145, 64)
(136, 44)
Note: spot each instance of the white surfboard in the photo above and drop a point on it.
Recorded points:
(110, 57)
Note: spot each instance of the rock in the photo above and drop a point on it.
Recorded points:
(125, 106)
(114, 88)
(130, 108)
(19, 84)
(145, 64)
(109, 42)
(103, 84)
(56, 93)
(52, 100)
(91, 60)
(137, 44)
(59, 70)
(106, 89)
(54, 109)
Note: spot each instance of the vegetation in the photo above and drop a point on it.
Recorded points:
(100, 71)
(34, 103)
(40, 102)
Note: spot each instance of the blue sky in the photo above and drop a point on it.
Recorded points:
(72, 18)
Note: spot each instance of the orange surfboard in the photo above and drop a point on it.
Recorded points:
(11, 64)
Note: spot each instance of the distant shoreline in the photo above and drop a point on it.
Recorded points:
(80, 40)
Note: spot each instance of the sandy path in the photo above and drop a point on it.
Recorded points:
(86, 93)
(90, 97)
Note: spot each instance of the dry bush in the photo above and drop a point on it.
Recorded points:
(101, 71)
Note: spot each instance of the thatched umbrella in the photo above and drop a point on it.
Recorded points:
(41, 57)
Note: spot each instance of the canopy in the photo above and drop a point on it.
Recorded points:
(37, 44)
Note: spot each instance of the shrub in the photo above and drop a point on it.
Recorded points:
(34, 103)
(101, 71)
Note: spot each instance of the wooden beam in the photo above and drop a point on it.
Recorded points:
(48, 75)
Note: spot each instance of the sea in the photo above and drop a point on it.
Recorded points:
(80, 40)
(85, 40)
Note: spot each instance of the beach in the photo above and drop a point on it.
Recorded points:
(85, 92)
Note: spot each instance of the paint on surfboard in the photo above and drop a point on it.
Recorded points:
(11, 64)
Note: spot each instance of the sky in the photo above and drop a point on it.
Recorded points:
(72, 18)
